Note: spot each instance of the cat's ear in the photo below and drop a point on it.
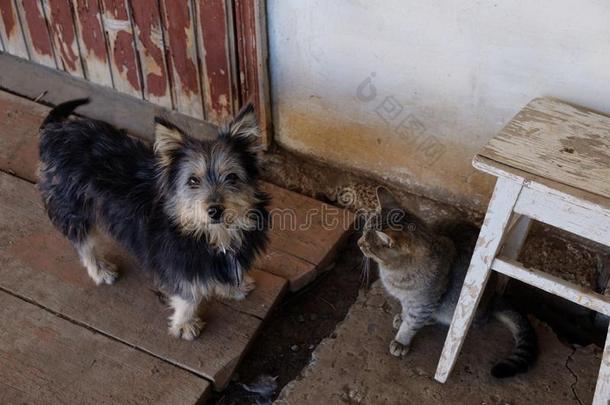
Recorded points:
(385, 239)
(386, 200)
(168, 139)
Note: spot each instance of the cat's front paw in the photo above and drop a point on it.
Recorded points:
(398, 349)
(397, 321)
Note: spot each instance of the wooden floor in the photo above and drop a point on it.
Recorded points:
(65, 340)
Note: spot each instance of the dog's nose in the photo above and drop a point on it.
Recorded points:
(215, 212)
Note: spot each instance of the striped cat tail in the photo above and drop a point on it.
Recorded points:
(526, 343)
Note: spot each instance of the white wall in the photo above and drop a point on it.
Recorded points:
(458, 69)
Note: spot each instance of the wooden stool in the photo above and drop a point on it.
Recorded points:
(552, 162)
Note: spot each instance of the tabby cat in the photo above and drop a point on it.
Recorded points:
(424, 268)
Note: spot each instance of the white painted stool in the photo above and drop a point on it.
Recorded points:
(552, 162)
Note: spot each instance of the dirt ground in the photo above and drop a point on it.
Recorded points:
(304, 319)
(296, 327)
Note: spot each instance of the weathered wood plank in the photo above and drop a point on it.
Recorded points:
(151, 49)
(19, 119)
(11, 36)
(36, 33)
(36, 262)
(92, 41)
(123, 62)
(557, 141)
(178, 25)
(490, 238)
(49, 360)
(135, 116)
(306, 228)
(63, 35)
(216, 69)
(297, 271)
(251, 47)
(553, 285)
(553, 210)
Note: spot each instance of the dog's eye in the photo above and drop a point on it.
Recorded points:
(193, 181)
(232, 178)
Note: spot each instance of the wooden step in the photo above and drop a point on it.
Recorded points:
(49, 360)
(38, 266)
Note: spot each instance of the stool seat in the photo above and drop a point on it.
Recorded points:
(552, 163)
(557, 141)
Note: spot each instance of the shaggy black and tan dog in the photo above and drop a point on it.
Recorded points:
(190, 211)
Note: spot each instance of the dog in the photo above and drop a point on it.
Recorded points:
(190, 211)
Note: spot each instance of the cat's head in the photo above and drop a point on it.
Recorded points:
(392, 234)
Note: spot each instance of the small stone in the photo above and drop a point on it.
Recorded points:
(294, 348)
(310, 347)
(300, 318)
(313, 317)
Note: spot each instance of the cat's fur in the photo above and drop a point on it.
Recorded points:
(424, 269)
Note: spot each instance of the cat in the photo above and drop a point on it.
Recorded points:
(424, 269)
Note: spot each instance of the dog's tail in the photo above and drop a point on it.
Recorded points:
(63, 110)
(526, 343)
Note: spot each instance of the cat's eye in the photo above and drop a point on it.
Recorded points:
(231, 178)
(193, 181)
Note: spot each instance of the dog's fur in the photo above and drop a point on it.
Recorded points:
(189, 210)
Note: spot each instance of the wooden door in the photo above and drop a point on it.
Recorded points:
(204, 58)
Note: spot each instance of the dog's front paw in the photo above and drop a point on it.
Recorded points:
(246, 287)
(397, 321)
(188, 330)
(106, 273)
(398, 349)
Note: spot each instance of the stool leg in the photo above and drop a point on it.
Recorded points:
(602, 389)
(498, 214)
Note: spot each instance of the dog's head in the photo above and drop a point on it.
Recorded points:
(209, 187)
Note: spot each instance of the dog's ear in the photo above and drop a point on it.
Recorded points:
(244, 127)
(168, 139)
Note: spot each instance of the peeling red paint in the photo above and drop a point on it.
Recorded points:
(147, 20)
(124, 56)
(62, 28)
(212, 19)
(8, 16)
(177, 22)
(91, 33)
(247, 52)
(39, 34)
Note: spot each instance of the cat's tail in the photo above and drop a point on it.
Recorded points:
(526, 342)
